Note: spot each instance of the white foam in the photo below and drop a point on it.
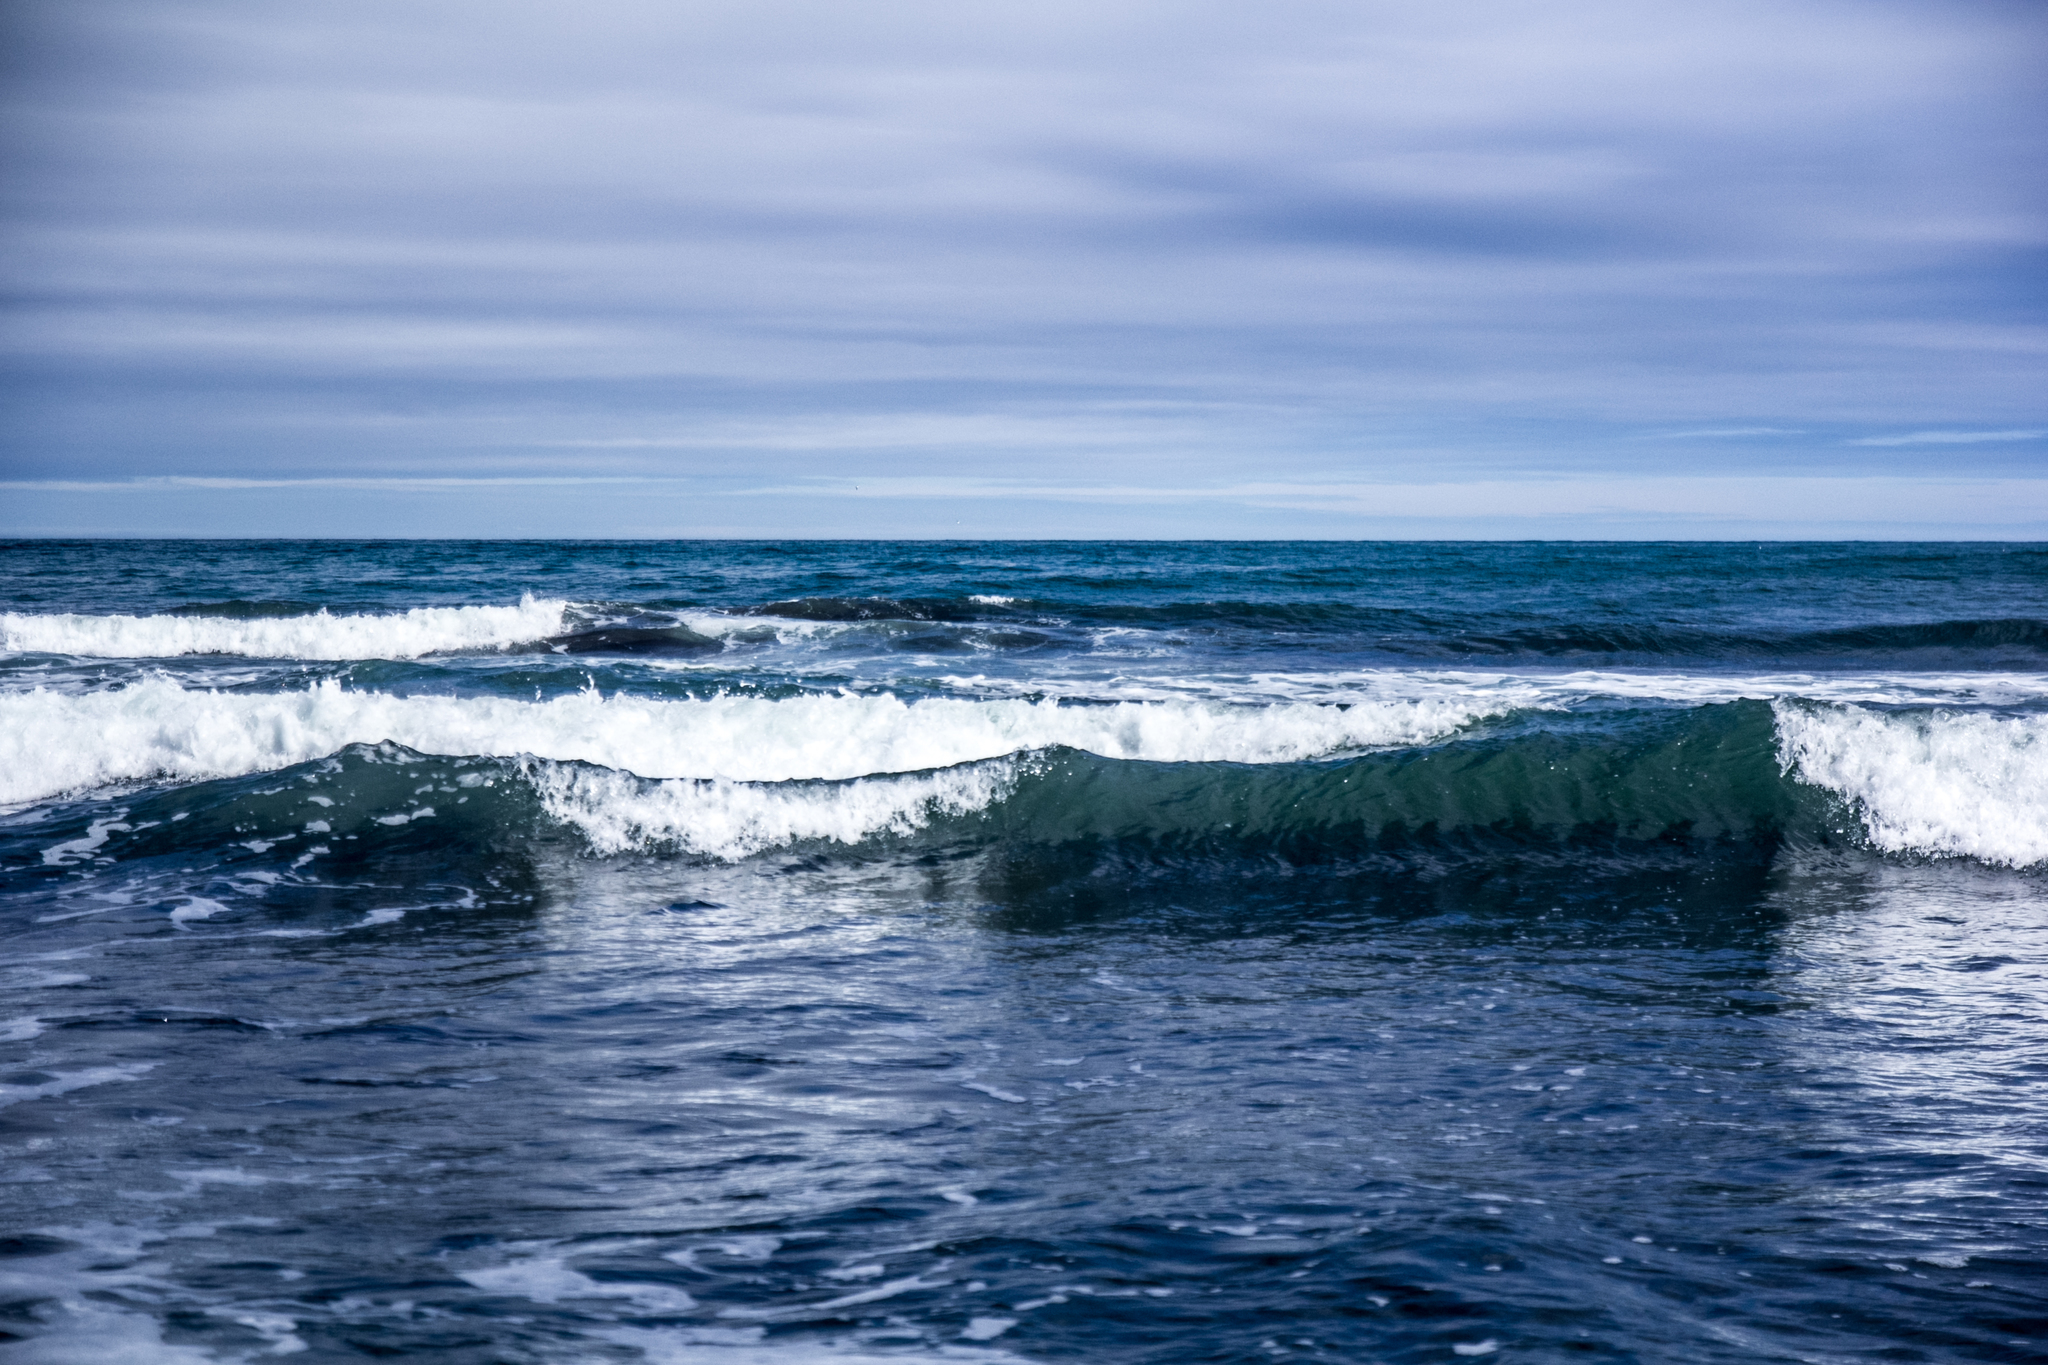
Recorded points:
(744, 1346)
(35, 980)
(217, 1175)
(745, 1248)
(548, 1279)
(69, 1328)
(82, 1331)
(1929, 782)
(276, 1329)
(855, 1272)
(992, 1092)
(77, 850)
(398, 635)
(733, 820)
(1894, 689)
(986, 1329)
(888, 1289)
(196, 908)
(63, 1082)
(51, 743)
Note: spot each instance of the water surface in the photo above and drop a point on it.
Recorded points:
(731, 953)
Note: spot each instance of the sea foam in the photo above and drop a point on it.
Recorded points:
(1929, 782)
(51, 743)
(732, 820)
(396, 635)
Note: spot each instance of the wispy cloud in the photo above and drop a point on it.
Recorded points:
(1711, 433)
(1950, 438)
(1842, 498)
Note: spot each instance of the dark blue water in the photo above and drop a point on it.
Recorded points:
(739, 953)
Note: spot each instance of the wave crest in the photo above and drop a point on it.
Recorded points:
(157, 729)
(396, 635)
(1929, 782)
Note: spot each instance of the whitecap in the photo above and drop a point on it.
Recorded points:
(1942, 783)
(63, 1082)
(395, 635)
(549, 1279)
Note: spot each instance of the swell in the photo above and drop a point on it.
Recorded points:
(247, 609)
(2016, 637)
(827, 609)
(1743, 776)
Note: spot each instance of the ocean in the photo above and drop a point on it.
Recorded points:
(825, 953)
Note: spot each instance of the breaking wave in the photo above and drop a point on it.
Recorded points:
(733, 778)
(1941, 783)
(51, 743)
(258, 634)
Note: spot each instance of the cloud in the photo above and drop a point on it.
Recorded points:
(1164, 241)
(1714, 433)
(1950, 438)
(1816, 500)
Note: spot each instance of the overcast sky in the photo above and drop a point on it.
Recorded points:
(1576, 268)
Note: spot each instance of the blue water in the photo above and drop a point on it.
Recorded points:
(745, 952)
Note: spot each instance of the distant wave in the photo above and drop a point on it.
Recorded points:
(1395, 633)
(296, 630)
(1502, 690)
(251, 630)
(1448, 630)
(2019, 636)
(878, 608)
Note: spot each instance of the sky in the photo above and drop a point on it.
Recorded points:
(1576, 269)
